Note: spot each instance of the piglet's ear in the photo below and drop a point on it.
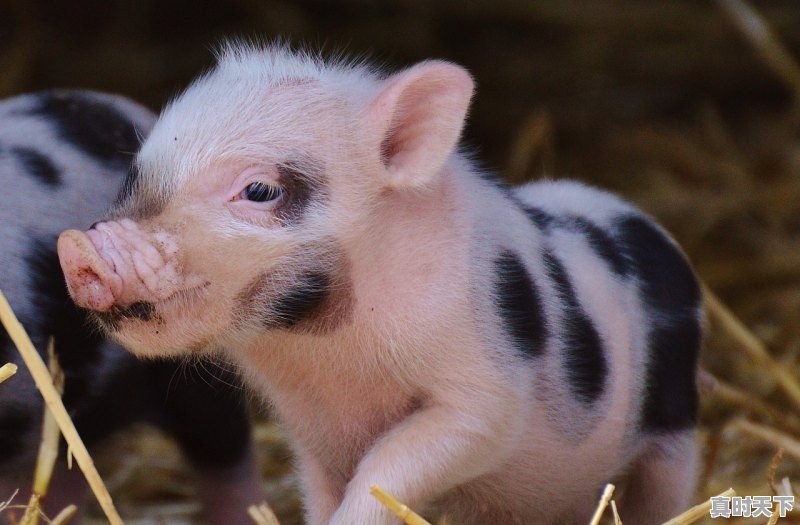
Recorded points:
(418, 117)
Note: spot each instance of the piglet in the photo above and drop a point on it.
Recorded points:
(63, 157)
(492, 354)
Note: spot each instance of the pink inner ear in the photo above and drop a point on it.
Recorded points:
(420, 114)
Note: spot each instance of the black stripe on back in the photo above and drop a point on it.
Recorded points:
(519, 305)
(539, 217)
(585, 364)
(668, 282)
(671, 295)
(38, 165)
(602, 243)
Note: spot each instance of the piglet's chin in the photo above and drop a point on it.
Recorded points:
(150, 342)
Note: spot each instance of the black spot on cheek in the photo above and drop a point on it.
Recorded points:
(300, 301)
(38, 165)
(519, 304)
(585, 361)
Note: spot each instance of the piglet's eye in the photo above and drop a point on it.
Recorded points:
(261, 192)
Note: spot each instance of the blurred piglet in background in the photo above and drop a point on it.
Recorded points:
(63, 158)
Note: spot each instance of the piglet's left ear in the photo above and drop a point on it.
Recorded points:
(416, 120)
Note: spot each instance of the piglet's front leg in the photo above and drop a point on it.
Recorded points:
(428, 453)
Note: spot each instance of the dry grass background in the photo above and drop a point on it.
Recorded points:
(673, 104)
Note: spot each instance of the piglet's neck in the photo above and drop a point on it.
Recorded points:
(415, 249)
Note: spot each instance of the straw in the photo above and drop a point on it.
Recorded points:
(44, 383)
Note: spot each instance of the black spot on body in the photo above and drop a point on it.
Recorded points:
(668, 282)
(95, 127)
(519, 305)
(671, 295)
(300, 301)
(38, 165)
(585, 364)
(671, 401)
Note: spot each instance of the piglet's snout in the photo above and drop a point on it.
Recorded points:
(116, 264)
(91, 281)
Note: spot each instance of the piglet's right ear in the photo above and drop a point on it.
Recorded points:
(416, 120)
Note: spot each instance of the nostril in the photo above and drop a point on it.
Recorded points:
(90, 281)
(94, 225)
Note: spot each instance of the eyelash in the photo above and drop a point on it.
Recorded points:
(261, 192)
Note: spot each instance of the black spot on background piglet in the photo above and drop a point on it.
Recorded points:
(671, 295)
(585, 362)
(203, 408)
(94, 127)
(38, 165)
(15, 425)
(519, 305)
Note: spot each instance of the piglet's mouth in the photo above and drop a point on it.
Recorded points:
(141, 311)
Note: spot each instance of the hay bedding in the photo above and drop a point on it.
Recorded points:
(730, 194)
